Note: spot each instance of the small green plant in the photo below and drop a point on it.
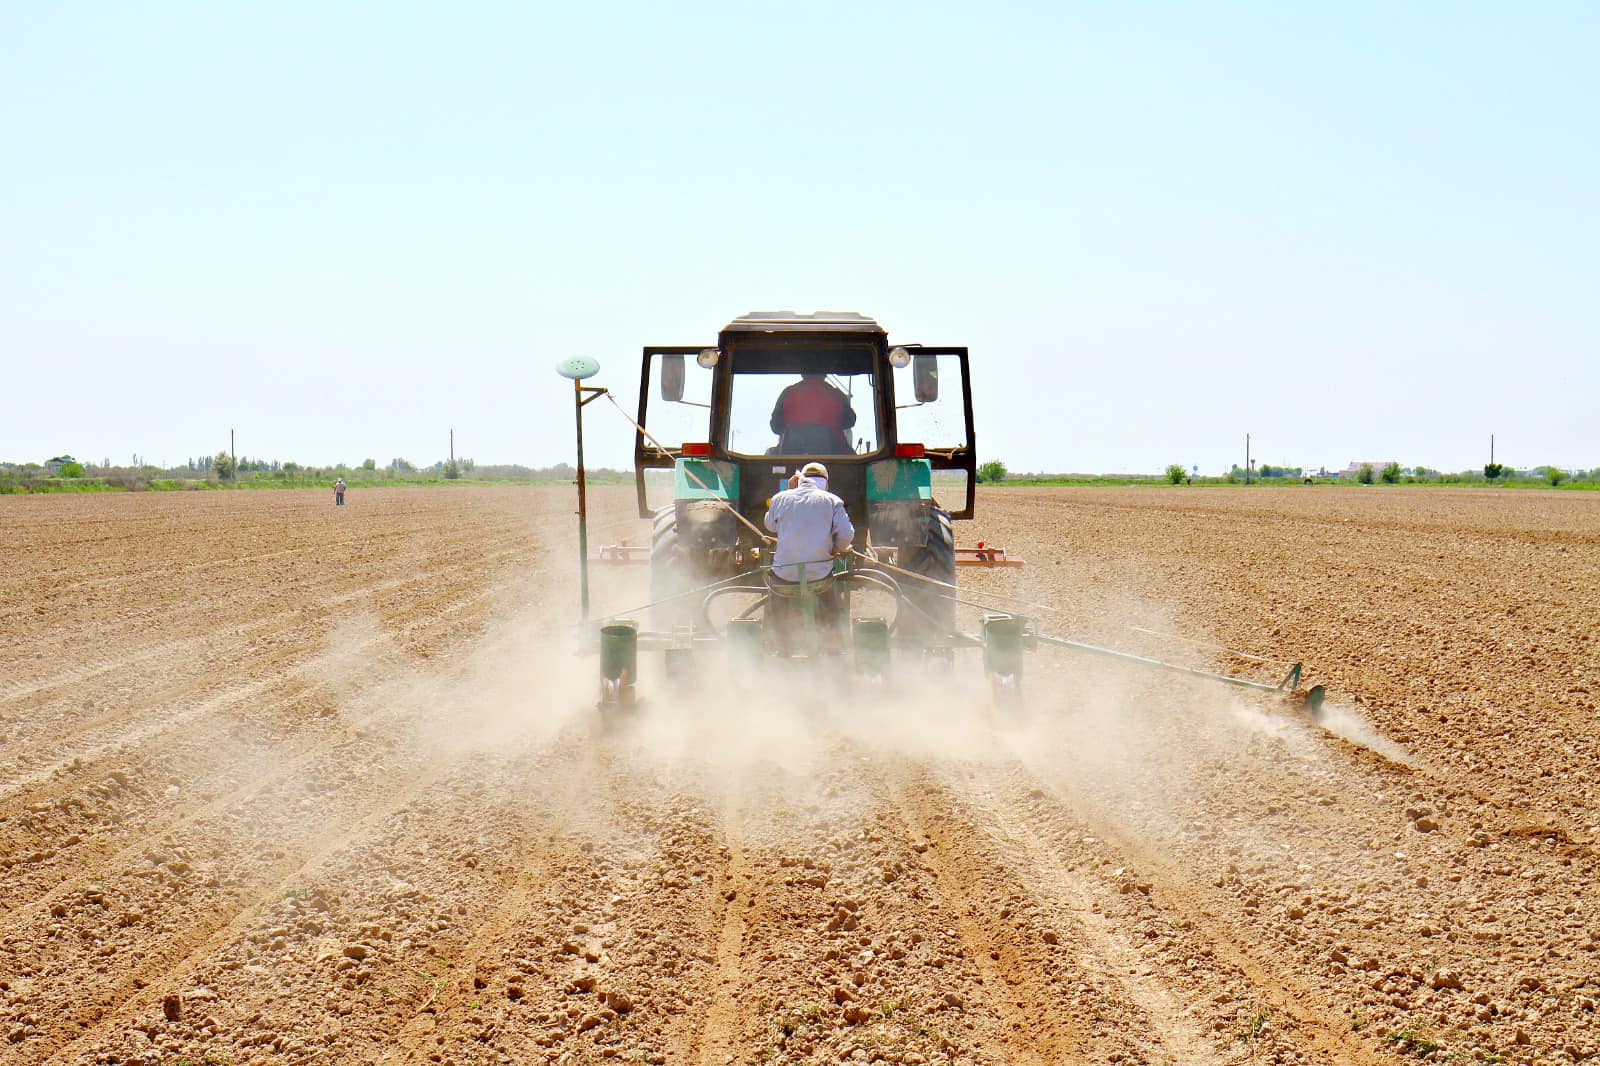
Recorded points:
(1174, 474)
(992, 473)
(1414, 1039)
(1257, 1026)
(1391, 474)
(1364, 475)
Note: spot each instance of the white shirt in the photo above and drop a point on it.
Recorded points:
(812, 526)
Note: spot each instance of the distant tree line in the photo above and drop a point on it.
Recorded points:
(223, 470)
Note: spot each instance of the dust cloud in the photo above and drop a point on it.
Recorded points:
(1344, 721)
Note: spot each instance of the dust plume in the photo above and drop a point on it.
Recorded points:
(1346, 722)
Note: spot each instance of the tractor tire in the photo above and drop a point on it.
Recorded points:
(673, 569)
(934, 617)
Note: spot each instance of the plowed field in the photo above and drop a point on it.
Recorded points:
(288, 783)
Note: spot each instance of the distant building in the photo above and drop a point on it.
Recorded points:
(55, 465)
(1354, 469)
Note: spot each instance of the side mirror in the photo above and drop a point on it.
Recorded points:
(925, 377)
(672, 378)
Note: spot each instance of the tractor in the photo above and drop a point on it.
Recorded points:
(730, 425)
(715, 417)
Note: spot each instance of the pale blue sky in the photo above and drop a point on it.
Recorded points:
(1359, 231)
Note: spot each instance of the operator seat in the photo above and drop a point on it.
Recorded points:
(810, 440)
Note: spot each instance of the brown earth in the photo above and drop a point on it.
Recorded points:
(285, 783)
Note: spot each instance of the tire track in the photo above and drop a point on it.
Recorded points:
(286, 765)
(1174, 891)
(528, 877)
(260, 627)
(720, 1034)
(147, 984)
(1102, 950)
(294, 766)
(242, 897)
(522, 897)
(1033, 1027)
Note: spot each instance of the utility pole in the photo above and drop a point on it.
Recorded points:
(1247, 463)
(1491, 449)
(577, 368)
(231, 453)
(452, 448)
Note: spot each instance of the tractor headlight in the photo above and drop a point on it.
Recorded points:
(708, 357)
(899, 358)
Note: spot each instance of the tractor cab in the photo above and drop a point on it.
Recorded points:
(780, 389)
(735, 420)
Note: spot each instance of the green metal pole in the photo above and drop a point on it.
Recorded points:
(1143, 660)
(583, 515)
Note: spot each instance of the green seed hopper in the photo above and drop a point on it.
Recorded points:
(865, 647)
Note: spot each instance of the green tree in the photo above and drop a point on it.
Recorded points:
(1390, 475)
(70, 470)
(993, 472)
(452, 469)
(1493, 470)
(1364, 475)
(1554, 474)
(224, 465)
(369, 464)
(1174, 474)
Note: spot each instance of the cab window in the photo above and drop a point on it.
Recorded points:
(803, 401)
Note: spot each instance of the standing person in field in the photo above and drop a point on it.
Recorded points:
(812, 527)
(811, 401)
(338, 492)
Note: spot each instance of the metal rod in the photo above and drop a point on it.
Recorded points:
(871, 561)
(1207, 644)
(1078, 645)
(583, 508)
(691, 474)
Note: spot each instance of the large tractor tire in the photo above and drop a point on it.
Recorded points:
(671, 572)
(934, 616)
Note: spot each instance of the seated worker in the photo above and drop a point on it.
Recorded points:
(812, 528)
(811, 401)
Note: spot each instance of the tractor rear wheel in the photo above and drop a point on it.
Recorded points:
(934, 616)
(671, 572)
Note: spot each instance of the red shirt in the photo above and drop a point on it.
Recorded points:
(813, 402)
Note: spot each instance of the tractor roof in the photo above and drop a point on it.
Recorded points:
(792, 322)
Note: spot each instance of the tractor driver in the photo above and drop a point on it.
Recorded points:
(811, 401)
(812, 527)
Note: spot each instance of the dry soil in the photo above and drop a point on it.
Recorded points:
(288, 783)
